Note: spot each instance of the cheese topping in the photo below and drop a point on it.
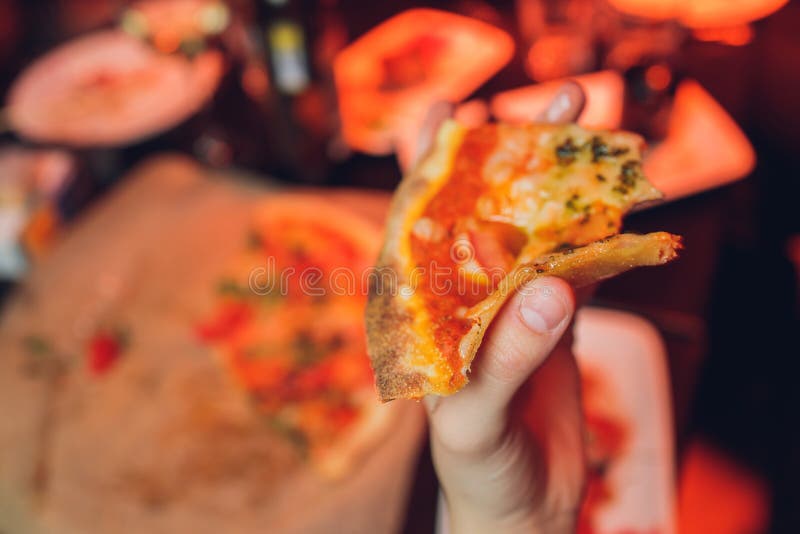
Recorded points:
(546, 178)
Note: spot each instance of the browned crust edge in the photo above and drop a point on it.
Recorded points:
(389, 325)
(389, 337)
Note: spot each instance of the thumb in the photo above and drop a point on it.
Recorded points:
(521, 337)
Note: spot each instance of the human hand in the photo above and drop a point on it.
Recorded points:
(496, 472)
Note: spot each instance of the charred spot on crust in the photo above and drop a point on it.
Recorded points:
(382, 280)
(564, 248)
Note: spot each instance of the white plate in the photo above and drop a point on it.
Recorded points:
(107, 89)
(627, 353)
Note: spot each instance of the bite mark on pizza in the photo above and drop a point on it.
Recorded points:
(486, 211)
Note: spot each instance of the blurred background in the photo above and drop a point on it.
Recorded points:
(330, 94)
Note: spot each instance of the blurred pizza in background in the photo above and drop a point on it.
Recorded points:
(190, 358)
(288, 325)
(388, 78)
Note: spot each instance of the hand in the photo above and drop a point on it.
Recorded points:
(499, 473)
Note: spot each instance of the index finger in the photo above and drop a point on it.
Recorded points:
(437, 114)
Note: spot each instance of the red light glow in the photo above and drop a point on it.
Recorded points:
(731, 35)
(701, 13)
(558, 55)
(704, 147)
(717, 496)
(658, 77)
(387, 79)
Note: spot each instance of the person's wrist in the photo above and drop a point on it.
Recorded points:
(503, 488)
(464, 518)
(489, 489)
(467, 519)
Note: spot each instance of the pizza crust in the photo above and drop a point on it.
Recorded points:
(389, 319)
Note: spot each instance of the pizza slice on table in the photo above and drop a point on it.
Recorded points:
(288, 326)
(486, 211)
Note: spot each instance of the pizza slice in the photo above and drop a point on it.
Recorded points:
(289, 328)
(486, 211)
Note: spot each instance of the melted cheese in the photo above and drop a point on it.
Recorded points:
(545, 179)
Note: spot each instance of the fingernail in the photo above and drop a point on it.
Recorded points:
(542, 310)
(558, 106)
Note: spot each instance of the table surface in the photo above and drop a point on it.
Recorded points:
(680, 289)
(146, 258)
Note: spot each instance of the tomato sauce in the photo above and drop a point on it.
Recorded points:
(450, 207)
